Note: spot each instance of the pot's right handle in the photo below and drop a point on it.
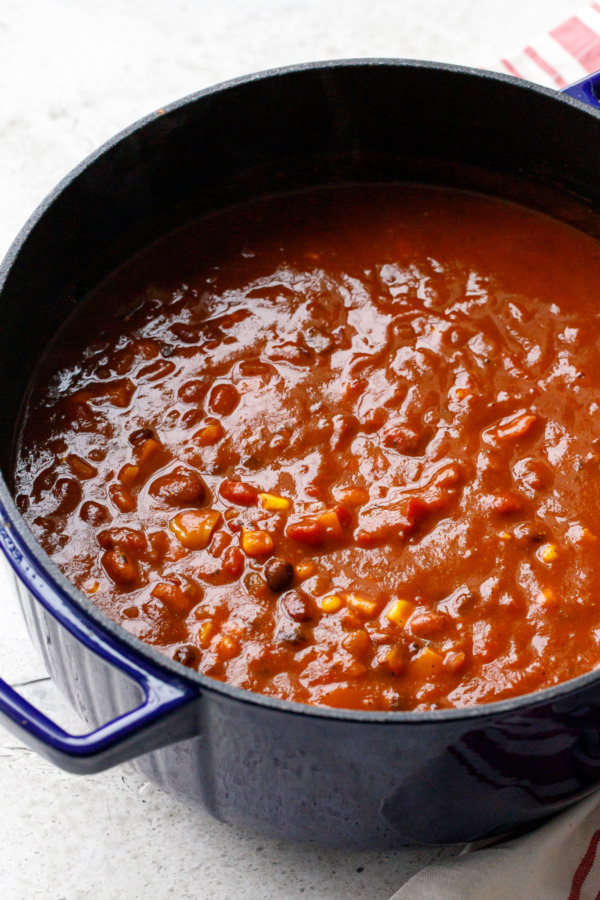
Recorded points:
(167, 712)
(587, 90)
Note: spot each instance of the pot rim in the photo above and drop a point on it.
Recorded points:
(30, 562)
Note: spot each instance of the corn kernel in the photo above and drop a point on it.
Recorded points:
(427, 663)
(205, 633)
(400, 612)
(549, 553)
(361, 605)
(256, 543)
(547, 598)
(273, 502)
(331, 603)
(305, 569)
(505, 536)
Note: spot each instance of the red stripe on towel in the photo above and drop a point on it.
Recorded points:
(580, 41)
(584, 867)
(510, 68)
(545, 67)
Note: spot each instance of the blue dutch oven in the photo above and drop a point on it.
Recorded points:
(332, 777)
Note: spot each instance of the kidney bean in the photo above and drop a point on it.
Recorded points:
(134, 542)
(403, 439)
(179, 594)
(181, 487)
(532, 474)
(192, 391)
(297, 605)
(94, 513)
(122, 498)
(279, 574)
(220, 542)
(223, 399)
(120, 568)
(233, 562)
(428, 624)
(156, 370)
(239, 493)
(67, 492)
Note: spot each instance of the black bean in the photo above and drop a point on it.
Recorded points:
(279, 573)
(141, 435)
(187, 656)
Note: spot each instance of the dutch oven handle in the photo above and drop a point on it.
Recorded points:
(587, 90)
(166, 714)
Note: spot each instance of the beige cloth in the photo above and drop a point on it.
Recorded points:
(559, 861)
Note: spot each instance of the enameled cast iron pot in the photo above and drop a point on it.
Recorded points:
(334, 777)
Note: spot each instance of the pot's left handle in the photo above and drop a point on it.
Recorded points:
(167, 712)
(587, 90)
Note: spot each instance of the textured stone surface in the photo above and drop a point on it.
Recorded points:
(73, 72)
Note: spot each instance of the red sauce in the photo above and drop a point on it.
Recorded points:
(341, 448)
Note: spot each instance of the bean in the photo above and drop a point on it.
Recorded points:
(181, 487)
(192, 391)
(426, 625)
(233, 562)
(128, 539)
(67, 492)
(94, 513)
(187, 656)
(297, 605)
(120, 568)
(140, 435)
(223, 399)
(279, 574)
(239, 493)
(122, 498)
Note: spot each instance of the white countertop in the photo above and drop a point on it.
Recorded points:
(73, 72)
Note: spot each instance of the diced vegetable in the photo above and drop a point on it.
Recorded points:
(194, 528)
(363, 606)
(427, 663)
(209, 435)
(400, 612)
(256, 543)
(272, 502)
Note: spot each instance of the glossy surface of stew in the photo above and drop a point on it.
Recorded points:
(341, 448)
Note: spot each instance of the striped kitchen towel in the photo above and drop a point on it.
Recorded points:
(566, 54)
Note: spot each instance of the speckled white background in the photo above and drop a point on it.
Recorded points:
(73, 72)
